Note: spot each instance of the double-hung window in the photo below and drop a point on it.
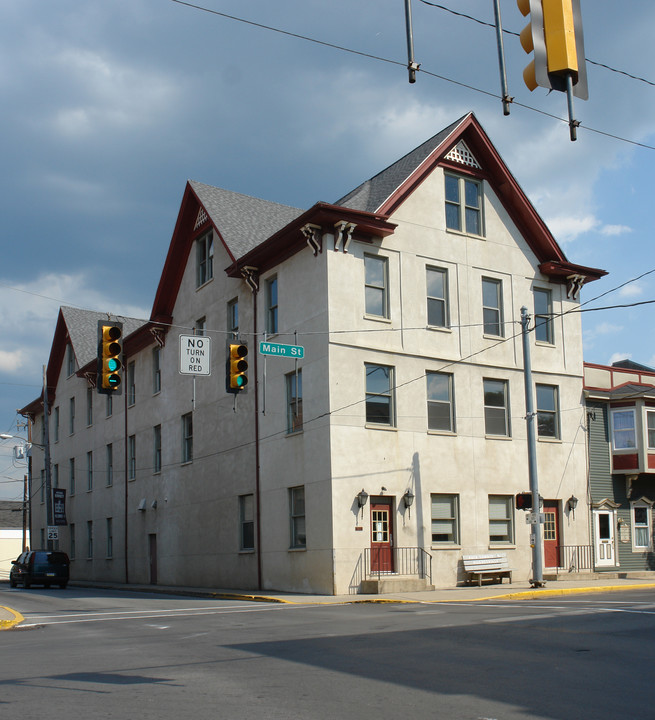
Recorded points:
(89, 471)
(463, 204)
(376, 271)
(205, 258)
(89, 407)
(543, 315)
(246, 522)
(297, 517)
(71, 474)
(110, 537)
(445, 519)
(437, 294)
(624, 435)
(441, 413)
(156, 442)
(501, 519)
(650, 420)
(187, 438)
(492, 307)
(131, 383)
(271, 306)
(233, 316)
(641, 525)
(294, 401)
(109, 456)
(131, 457)
(156, 370)
(496, 407)
(548, 424)
(379, 395)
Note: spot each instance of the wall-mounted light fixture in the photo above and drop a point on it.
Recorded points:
(362, 497)
(572, 504)
(408, 498)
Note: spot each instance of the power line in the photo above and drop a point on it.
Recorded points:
(515, 34)
(379, 58)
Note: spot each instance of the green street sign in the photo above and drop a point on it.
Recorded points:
(293, 351)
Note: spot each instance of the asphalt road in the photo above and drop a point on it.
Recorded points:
(103, 654)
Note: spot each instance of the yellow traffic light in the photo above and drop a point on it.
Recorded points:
(110, 357)
(237, 367)
(554, 36)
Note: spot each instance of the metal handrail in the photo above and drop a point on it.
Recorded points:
(403, 561)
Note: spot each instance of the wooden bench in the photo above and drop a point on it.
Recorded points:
(492, 565)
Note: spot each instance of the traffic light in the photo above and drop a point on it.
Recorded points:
(524, 501)
(554, 35)
(110, 357)
(236, 367)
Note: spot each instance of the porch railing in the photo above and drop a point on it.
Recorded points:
(413, 561)
(573, 558)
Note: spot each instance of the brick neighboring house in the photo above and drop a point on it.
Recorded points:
(620, 401)
(394, 446)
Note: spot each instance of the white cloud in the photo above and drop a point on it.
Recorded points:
(11, 362)
(632, 290)
(568, 228)
(615, 230)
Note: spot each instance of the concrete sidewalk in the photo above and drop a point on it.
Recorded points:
(592, 583)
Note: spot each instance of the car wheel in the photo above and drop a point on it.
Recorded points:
(26, 584)
(12, 582)
(46, 586)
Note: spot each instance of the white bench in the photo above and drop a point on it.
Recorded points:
(492, 565)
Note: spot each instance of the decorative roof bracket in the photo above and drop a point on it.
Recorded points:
(159, 335)
(251, 275)
(573, 285)
(314, 237)
(343, 234)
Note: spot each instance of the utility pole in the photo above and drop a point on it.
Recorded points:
(46, 443)
(537, 580)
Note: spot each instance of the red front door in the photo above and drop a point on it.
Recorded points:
(551, 533)
(382, 534)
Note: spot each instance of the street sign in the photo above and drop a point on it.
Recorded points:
(53, 532)
(533, 518)
(195, 355)
(294, 351)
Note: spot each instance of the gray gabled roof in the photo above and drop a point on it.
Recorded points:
(82, 326)
(370, 195)
(244, 222)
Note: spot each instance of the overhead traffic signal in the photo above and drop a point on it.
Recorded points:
(524, 501)
(110, 357)
(236, 367)
(554, 35)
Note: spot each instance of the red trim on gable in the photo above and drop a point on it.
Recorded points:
(539, 238)
(645, 378)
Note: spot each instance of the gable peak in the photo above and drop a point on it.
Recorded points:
(201, 219)
(461, 154)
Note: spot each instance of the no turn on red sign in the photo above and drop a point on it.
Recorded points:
(195, 355)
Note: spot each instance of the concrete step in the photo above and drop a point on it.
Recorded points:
(399, 584)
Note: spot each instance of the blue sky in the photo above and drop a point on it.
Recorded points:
(109, 107)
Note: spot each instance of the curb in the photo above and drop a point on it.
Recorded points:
(8, 624)
(535, 594)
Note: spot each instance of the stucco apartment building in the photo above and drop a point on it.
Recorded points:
(397, 442)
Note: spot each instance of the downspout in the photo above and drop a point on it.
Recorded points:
(257, 468)
(127, 580)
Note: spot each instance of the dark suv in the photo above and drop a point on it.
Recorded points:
(40, 567)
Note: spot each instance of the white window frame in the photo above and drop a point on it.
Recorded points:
(648, 525)
(436, 398)
(294, 402)
(187, 437)
(204, 258)
(272, 307)
(543, 317)
(490, 409)
(629, 434)
(488, 326)
(457, 205)
(650, 438)
(298, 529)
(376, 291)
(376, 393)
(233, 315)
(246, 522)
(446, 518)
(496, 519)
(550, 412)
(438, 301)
